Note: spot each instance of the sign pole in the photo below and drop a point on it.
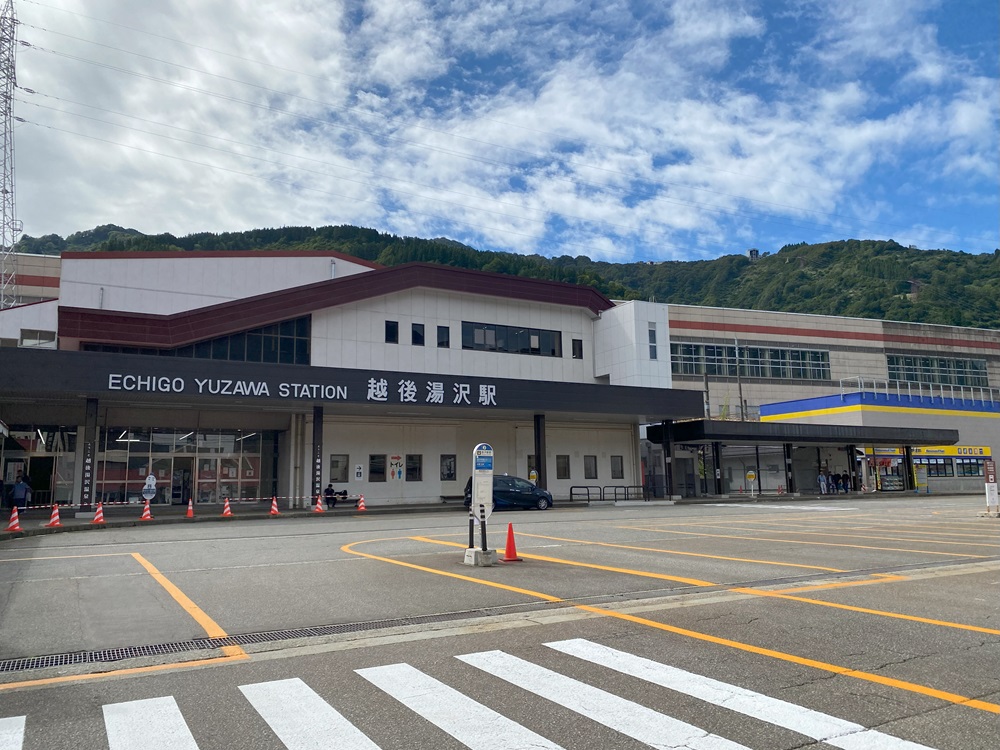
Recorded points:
(992, 498)
(482, 498)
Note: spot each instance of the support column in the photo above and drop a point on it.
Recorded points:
(668, 459)
(88, 456)
(852, 464)
(908, 478)
(789, 474)
(540, 451)
(717, 460)
(317, 439)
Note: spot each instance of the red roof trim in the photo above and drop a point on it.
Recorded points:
(179, 329)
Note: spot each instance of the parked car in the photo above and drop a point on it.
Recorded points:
(513, 492)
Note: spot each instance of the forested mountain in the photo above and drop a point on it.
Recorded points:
(857, 278)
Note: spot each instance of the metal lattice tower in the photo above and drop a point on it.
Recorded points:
(11, 227)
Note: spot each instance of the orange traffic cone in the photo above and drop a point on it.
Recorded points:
(99, 514)
(319, 505)
(510, 554)
(54, 518)
(190, 510)
(361, 503)
(146, 514)
(15, 524)
(274, 507)
(226, 510)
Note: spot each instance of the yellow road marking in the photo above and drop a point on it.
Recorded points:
(865, 610)
(800, 541)
(212, 629)
(687, 554)
(846, 671)
(543, 558)
(122, 672)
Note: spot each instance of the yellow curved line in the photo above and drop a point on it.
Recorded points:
(836, 669)
(843, 532)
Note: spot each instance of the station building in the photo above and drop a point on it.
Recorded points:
(249, 375)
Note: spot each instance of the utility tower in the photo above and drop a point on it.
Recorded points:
(11, 227)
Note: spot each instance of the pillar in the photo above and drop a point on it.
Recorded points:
(540, 451)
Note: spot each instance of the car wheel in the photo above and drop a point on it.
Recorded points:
(542, 504)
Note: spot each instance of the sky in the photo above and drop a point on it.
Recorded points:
(622, 131)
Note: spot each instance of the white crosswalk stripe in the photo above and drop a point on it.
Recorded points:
(814, 724)
(152, 724)
(631, 719)
(469, 722)
(12, 733)
(301, 719)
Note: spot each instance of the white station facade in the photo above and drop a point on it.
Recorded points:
(251, 375)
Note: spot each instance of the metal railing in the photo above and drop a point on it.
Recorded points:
(609, 492)
(920, 392)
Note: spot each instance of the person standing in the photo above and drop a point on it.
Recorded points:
(20, 494)
(822, 483)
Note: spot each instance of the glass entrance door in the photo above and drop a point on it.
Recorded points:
(180, 483)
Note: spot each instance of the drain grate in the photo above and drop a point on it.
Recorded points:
(246, 639)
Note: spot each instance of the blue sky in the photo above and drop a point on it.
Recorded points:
(669, 130)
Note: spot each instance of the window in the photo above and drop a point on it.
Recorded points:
(617, 467)
(284, 343)
(969, 467)
(414, 468)
(376, 467)
(577, 348)
(511, 339)
(652, 340)
(38, 338)
(444, 337)
(417, 334)
(448, 467)
(937, 370)
(392, 332)
(562, 467)
(936, 467)
(723, 360)
(338, 467)
(590, 467)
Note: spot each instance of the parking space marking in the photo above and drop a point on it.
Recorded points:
(802, 541)
(846, 532)
(593, 566)
(686, 554)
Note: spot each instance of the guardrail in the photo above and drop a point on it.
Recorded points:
(609, 492)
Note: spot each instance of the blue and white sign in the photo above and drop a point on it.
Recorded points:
(482, 480)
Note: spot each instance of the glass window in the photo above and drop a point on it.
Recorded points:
(376, 467)
(338, 467)
(414, 468)
(577, 348)
(590, 467)
(444, 337)
(617, 467)
(652, 340)
(391, 333)
(417, 334)
(448, 467)
(562, 467)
